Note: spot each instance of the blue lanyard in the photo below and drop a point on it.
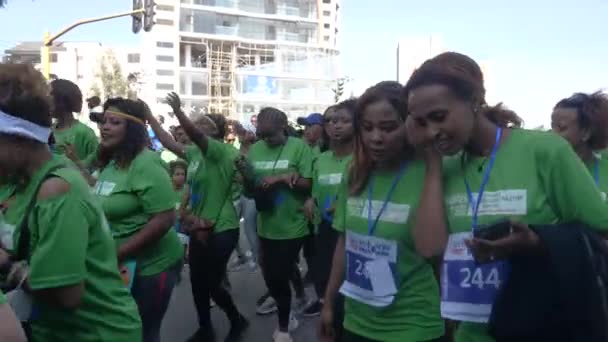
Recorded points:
(371, 225)
(475, 204)
(596, 172)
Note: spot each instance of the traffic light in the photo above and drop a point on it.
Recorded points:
(148, 15)
(137, 17)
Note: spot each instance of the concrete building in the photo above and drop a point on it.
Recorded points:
(412, 52)
(235, 57)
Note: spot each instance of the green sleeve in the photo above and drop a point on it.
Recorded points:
(304, 162)
(90, 143)
(59, 224)
(570, 188)
(339, 222)
(190, 152)
(152, 185)
(2, 298)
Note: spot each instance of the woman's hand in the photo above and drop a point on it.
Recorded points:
(309, 209)
(326, 324)
(522, 240)
(174, 101)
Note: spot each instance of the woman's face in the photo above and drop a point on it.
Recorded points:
(113, 130)
(181, 136)
(11, 157)
(271, 131)
(564, 121)
(382, 132)
(339, 126)
(179, 177)
(443, 119)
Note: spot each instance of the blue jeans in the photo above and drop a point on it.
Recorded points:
(250, 224)
(152, 295)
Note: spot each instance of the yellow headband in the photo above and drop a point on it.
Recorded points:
(126, 116)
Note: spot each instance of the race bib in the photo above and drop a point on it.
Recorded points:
(371, 269)
(104, 188)
(6, 235)
(468, 289)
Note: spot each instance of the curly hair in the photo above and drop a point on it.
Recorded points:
(136, 137)
(25, 94)
(361, 165)
(592, 114)
(463, 76)
(67, 96)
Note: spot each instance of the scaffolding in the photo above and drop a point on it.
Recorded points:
(221, 63)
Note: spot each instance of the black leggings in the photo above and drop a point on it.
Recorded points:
(207, 271)
(325, 245)
(278, 260)
(352, 337)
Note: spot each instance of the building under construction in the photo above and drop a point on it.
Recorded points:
(235, 57)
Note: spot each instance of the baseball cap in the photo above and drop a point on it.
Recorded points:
(311, 119)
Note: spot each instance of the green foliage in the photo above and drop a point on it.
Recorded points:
(113, 82)
(339, 89)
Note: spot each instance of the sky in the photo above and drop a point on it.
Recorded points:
(538, 51)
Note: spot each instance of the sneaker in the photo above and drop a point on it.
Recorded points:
(313, 310)
(238, 264)
(237, 329)
(267, 307)
(202, 335)
(301, 304)
(262, 299)
(293, 322)
(281, 337)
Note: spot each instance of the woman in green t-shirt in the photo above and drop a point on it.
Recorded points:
(491, 172)
(328, 170)
(391, 292)
(582, 119)
(138, 199)
(59, 233)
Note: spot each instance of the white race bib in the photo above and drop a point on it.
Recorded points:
(371, 268)
(468, 290)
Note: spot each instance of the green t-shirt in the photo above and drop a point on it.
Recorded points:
(130, 197)
(81, 136)
(537, 178)
(71, 243)
(286, 220)
(213, 184)
(600, 177)
(327, 177)
(414, 314)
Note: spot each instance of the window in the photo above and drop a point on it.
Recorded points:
(164, 86)
(168, 45)
(167, 8)
(326, 38)
(54, 58)
(164, 58)
(164, 72)
(326, 26)
(167, 22)
(327, 1)
(133, 58)
(326, 13)
(79, 58)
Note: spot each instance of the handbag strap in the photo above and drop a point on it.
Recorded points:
(23, 245)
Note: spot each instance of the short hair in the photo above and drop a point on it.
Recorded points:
(66, 95)
(178, 164)
(24, 93)
(592, 114)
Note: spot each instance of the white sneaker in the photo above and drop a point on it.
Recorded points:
(267, 307)
(281, 337)
(301, 304)
(293, 322)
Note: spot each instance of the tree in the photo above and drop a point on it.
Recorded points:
(113, 83)
(339, 89)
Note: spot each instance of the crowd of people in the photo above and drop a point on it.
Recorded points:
(423, 213)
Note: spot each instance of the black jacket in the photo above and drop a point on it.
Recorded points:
(559, 296)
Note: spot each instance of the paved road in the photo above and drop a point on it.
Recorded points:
(180, 321)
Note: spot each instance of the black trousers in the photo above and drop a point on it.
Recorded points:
(325, 245)
(207, 271)
(278, 260)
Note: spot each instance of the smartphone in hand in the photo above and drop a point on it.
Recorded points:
(494, 231)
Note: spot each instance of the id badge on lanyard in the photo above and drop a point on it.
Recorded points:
(371, 262)
(468, 289)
